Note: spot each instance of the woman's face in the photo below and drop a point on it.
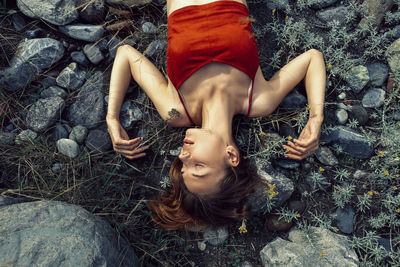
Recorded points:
(204, 161)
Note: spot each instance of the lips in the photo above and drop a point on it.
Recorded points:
(188, 141)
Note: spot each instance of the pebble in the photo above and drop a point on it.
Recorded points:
(201, 245)
(215, 235)
(36, 33)
(294, 100)
(149, 28)
(378, 73)
(59, 132)
(341, 116)
(78, 134)
(156, 46)
(273, 224)
(93, 53)
(48, 81)
(80, 58)
(359, 77)
(25, 136)
(344, 219)
(175, 152)
(98, 141)
(54, 91)
(57, 167)
(68, 147)
(71, 77)
(287, 163)
(342, 96)
(359, 113)
(373, 98)
(7, 138)
(326, 157)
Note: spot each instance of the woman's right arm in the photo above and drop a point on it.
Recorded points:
(128, 63)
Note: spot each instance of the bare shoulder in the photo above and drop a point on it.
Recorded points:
(174, 113)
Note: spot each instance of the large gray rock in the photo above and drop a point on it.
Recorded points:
(299, 251)
(393, 56)
(84, 32)
(5, 201)
(350, 141)
(129, 115)
(216, 235)
(71, 77)
(58, 12)
(32, 57)
(91, 11)
(129, 3)
(52, 233)
(44, 113)
(98, 141)
(25, 136)
(374, 98)
(378, 73)
(53, 91)
(68, 147)
(88, 109)
(319, 4)
(283, 187)
(334, 13)
(358, 78)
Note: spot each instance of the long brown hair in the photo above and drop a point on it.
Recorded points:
(178, 208)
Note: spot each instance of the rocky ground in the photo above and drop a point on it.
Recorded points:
(339, 207)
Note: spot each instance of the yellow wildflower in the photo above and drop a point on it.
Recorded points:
(398, 124)
(395, 155)
(287, 17)
(386, 173)
(394, 187)
(380, 153)
(398, 210)
(273, 11)
(270, 192)
(321, 169)
(321, 255)
(330, 66)
(242, 228)
(336, 187)
(290, 137)
(370, 193)
(298, 215)
(336, 229)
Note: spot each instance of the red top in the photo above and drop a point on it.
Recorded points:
(215, 32)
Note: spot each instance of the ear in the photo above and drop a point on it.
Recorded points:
(233, 156)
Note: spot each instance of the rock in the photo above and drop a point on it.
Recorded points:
(60, 132)
(287, 163)
(245, 264)
(378, 73)
(175, 152)
(297, 205)
(350, 141)
(68, 147)
(58, 12)
(48, 81)
(156, 46)
(344, 219)
(334, 14)
(91, 11)
(374, 98)
(93, 53)
(113, 45)
(283, 187)
(385, 243)
(57, 167)
(32, 57)
(393, 56)
(129, 115)
(6, 200)
(273, 224)
(98, 141)
(277, 4)
(35, 33)
(299, 251)
(325, 156)
(341, 116)
(216, 235)
(129, 3)
(7, 138)
(88, 108)
(359, 174)
(201, 245)
(80, 58)
(52, 233)
(294, 100)
(396, 32)
(78, 134)
(19, 22)
(358, 78)
(396, 115)
(54, 91)
(84, 32)
(25, 136)
(286, 130)
(71, 77)
(319, 4)
(342, 96)
(44, 113)
(360, 114)
(149, 28)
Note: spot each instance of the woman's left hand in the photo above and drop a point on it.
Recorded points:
(307, 143)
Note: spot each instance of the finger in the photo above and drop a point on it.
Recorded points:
(123, 142)
(292, 156)
(134, 151)
(132, 145)
(297, 148)
(305, 142)
(293, 151)
(135, 156)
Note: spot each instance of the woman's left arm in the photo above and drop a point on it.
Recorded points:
(309, 66)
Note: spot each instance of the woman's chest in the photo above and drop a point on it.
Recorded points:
(173, 5)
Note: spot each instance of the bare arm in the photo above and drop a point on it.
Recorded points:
(309, 66)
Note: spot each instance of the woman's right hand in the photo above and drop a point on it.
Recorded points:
(121, 142)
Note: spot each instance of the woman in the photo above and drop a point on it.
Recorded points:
(213, 74)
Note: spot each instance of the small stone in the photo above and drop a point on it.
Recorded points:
(374, 98)
(57, 167)
(216, 235)
(245, 264)
(175, 152)
(342, 96)
(44, 112)
(60, 132)
(149, 28)
(129, 115)
(342, 106)
(360, 114)
(294, 100)
(273, 223)
(156, 46)
(358, 78)
(332, 14)
(378, 73)
(91, 11)
(36, 33)
(93, 53)
(71, 77)
(287, 163)
(25, 136)
(98, 141)
(341, 116)
(80, 58)
(396, 115)
(7, 138)
(78, 134)
(344, 219)
(297, 205)
(68, 147)
(48, 81)
(84, 32)
(201, 245)
(54, 91)
(325, 156)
